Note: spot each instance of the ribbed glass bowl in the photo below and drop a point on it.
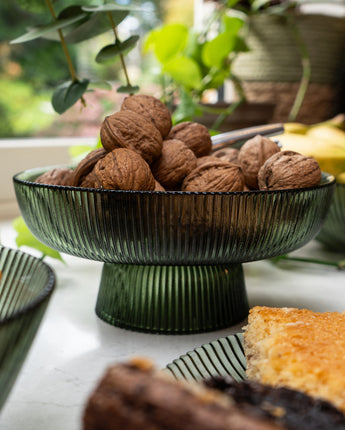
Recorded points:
(332, 233)
(172, 259)
(26, 285)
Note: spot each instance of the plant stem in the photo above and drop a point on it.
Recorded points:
(306, 72)
(122, 59)
(64, 45)
(339, 264)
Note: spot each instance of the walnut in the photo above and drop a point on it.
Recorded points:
(174, 164)
(252, 156)
(227, 154)
(127, 129)
(58, 176)
(196, 136)
(158, 186)
(219, 176)
(207, 159)
(82, 177)
(289, 169)
(123, 169)
(152, 109)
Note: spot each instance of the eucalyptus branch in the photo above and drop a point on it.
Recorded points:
(64, 45)
(122, 59)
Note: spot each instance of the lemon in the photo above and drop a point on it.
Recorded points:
(341, 178)
(330, 154)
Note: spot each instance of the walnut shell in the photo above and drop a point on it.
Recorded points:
(227, 154)
(158, 186)
(252, 156)
(127, 129)
(152, 109)
(57, 176)
(219, 176)
(207, 159)
(174, 164)
(123, 169)
(85, 166)
(196, 136)
(289, 169)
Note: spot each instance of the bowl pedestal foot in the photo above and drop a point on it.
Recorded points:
(172, 299)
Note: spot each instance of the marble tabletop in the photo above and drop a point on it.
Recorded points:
(73, 346)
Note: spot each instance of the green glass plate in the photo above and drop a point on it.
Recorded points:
(224, 356)
(26, 285)
(332, 234)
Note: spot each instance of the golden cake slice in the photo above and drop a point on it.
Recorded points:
(297, 348)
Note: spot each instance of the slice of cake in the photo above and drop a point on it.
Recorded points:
(297, 348)
(135, 396)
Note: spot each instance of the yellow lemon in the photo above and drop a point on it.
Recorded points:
(329, 154)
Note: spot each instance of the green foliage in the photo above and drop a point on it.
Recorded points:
(192, 62)
(25, 238)
(21, 108)
(76, 23)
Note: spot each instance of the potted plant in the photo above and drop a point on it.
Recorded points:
(273, 52)
(193, 67)
(295, 57)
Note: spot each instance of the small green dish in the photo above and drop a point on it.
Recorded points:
(332, 234)
(172, 260)
(26, 285)
(224, 356)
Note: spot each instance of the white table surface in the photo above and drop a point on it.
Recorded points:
(73, 347)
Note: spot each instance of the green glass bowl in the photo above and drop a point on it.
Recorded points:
(173, 260)
(26, 285)
(332, 233)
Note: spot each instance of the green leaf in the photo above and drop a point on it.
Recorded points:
(112, 6)
(216, 50)
(67, 94)
(110, 51)
(37, 32)
(26, 238)
(187, 108)
(232, 25)
(100, 85)
(184, 71)
(128, 89)
(169, 41)
(33, 5)
(97, 24)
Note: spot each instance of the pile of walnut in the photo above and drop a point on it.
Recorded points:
(141, 150)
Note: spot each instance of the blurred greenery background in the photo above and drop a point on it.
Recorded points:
(25, 91)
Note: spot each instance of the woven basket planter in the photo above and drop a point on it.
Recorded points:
(271, 72)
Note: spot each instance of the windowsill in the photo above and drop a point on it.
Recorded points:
(21, 154)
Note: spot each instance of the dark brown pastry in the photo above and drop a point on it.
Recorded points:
(287, 407)
(151, 108)
(134, 397)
